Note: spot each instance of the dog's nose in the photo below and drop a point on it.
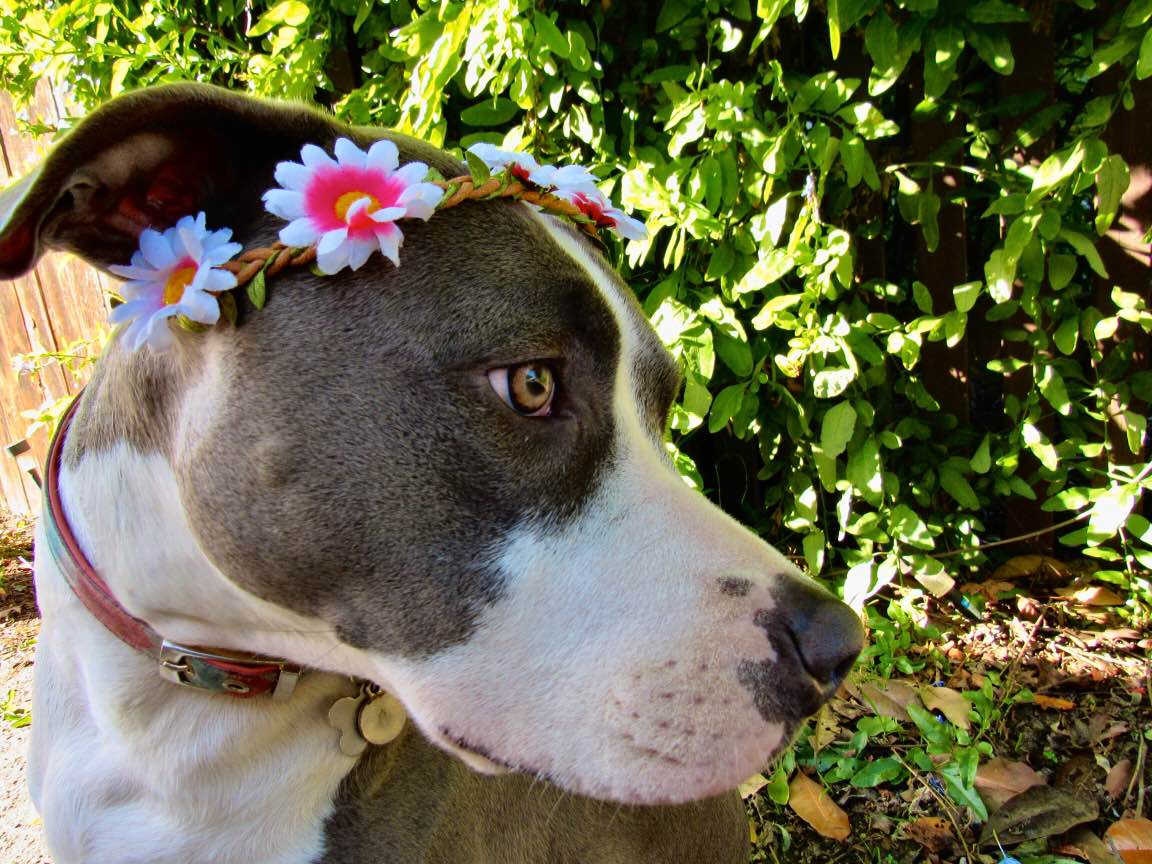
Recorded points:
(827, 634)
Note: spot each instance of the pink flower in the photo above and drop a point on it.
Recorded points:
(601, 211)
(348, 206)
(174, 273)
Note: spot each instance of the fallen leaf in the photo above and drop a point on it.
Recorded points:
(931, 832)
(1053, 702)
(949, 703)
(889, 698)
(824, 730)
(1082, 843)
(1118, 779)
(753, 785)
(1040, 811)
(811, 803)
(998, 780)
(1092, 595)
(1023, 566)
(1132, 840)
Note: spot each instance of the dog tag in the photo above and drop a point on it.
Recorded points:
(370, 717)
(381, 718)
(342, 717)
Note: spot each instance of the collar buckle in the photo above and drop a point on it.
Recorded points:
(236, 674)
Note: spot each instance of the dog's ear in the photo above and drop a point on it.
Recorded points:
(146, 159)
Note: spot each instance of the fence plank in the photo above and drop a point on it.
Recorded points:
(61, 301)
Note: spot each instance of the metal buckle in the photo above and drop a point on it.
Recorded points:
(192, 667)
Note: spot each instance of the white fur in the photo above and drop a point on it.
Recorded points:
(126, 767)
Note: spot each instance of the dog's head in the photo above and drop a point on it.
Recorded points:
(453, 468)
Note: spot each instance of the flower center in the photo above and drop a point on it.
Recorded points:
(177, 282)
(345, 201)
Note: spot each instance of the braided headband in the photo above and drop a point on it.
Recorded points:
(339, 212)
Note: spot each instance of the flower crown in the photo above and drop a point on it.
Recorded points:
(339, 211)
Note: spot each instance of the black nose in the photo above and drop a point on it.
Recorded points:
(827, 634)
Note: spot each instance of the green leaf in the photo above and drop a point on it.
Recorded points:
(814, 550)
(490, 112)
(955, 484)
(909, 528)
(961, 790)
(1111, 183)
(864, 472)
(550, 34)
(1138, 13)
(1144, 61)
(736, 353)
(993, 47)
(1052, 388)
(1067, 335)
(1086, 247)
(883, 770)
(288, 12)
(478, 168)
(832, 381)
(257, 290)
(725, 406)
(1057, 167)
(837, 427)
(922, 296)
(966, 295)
(1061, 269)
(833, 13)
(982, 459)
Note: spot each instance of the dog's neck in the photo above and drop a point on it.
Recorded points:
(178, 758)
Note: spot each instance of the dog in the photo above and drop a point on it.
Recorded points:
(589, 654)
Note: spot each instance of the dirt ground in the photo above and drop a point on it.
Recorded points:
(19, 825)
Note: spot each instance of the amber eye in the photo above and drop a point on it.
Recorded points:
(527, 389)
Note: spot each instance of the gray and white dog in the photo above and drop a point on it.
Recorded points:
(591, 655)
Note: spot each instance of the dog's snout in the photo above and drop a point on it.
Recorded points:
(827, 634)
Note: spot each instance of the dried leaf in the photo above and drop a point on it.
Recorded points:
(812, 804)
(998, 780)
(1053, 702)
(1082, 843)
(1025, 566)
(1118, 779)
(1037, 812)
(1092, 595)
(889, 698)
(931, 832)
(825, 730)
(949, 703)
(753, 785)
(1132, 839)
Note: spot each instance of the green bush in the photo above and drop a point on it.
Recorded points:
(852, 204)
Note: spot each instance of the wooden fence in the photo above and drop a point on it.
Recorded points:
(59, 302)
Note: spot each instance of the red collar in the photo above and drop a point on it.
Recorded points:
(237, 674)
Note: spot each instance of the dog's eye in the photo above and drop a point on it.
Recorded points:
(527, 389)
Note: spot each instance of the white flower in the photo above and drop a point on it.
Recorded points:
(173, 274)
(348, 206)
(569, 178)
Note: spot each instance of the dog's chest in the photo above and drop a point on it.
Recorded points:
(409, 803)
